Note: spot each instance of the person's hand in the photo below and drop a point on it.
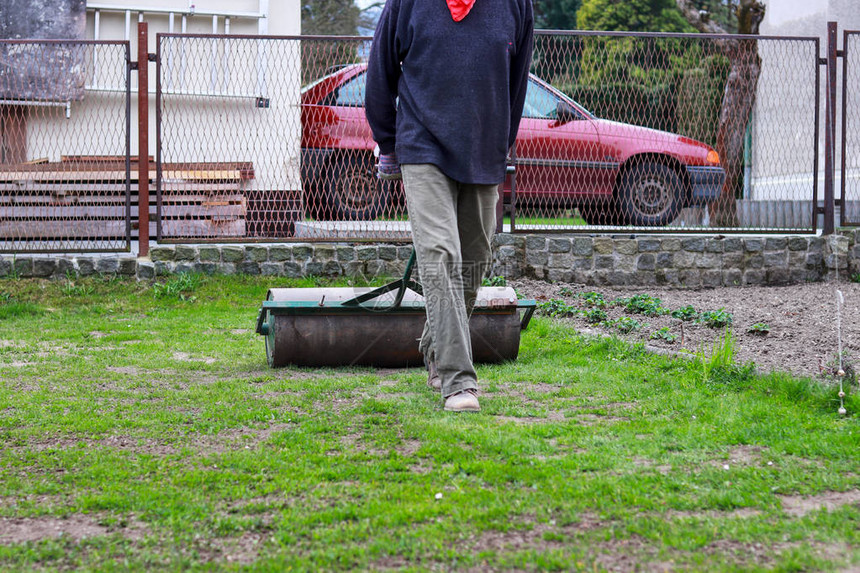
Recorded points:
(388, 167)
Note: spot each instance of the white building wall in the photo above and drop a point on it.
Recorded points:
(226, 83)
(780, 171)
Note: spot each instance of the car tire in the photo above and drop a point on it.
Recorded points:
(602, 213)
(651, 195)
(353, 192)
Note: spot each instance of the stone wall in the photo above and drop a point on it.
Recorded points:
(683, 261)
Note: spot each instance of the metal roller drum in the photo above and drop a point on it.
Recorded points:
(325, 327)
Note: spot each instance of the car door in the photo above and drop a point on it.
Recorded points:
(559, 154)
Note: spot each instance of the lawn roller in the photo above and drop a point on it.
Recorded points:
(379, 326)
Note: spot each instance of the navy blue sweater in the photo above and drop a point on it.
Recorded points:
(461, 85)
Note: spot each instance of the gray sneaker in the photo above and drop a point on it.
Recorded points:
(433, 380)
(465, 401)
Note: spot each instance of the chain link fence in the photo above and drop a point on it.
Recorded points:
(668, 132)
(653, 132)
(65, 176)
(247, 153)
(850, 166)
(262, 138)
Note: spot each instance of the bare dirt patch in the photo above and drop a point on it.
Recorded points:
(540, 536)
(244, 549)
(801, 318)
(740, 456)
(186, 357)
(739, 513)
(798, 506)
(75, 527)
(226, 440)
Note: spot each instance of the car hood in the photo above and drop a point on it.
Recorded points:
(616, 129)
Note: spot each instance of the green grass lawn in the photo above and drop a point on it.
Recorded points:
(144, 424)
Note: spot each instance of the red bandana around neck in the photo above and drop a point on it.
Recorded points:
(460, 8)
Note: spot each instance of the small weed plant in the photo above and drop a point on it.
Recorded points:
(625, 324)
(72, 289)
(643, 304)
(556, 308)
(593, 299)
(595, 315)
(178, 287)
(759, 329)
(686, 313)
(846, 365)
(716, 318)
(6, 297)
(664, 334)
(565, 291)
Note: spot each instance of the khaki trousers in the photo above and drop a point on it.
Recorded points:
(452, 227)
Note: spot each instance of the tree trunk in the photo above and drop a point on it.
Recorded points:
(738, 101)
(735, 113)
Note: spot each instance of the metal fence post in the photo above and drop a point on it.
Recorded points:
(143, 138)
(830, 131)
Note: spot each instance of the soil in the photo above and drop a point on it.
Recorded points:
(801, 338)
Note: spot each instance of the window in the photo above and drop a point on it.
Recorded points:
(351, 94)
(540, 102)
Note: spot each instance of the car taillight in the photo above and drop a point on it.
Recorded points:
(713, 157)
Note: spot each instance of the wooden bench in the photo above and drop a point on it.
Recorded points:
(85, 198)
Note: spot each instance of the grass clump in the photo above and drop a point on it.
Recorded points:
(179, 287)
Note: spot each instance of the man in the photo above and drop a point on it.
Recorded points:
(446, 85)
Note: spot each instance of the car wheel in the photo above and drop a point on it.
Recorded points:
(651, 195)
(353, 191)
(602, 213)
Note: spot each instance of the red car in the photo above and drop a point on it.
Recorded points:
(615, 173)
